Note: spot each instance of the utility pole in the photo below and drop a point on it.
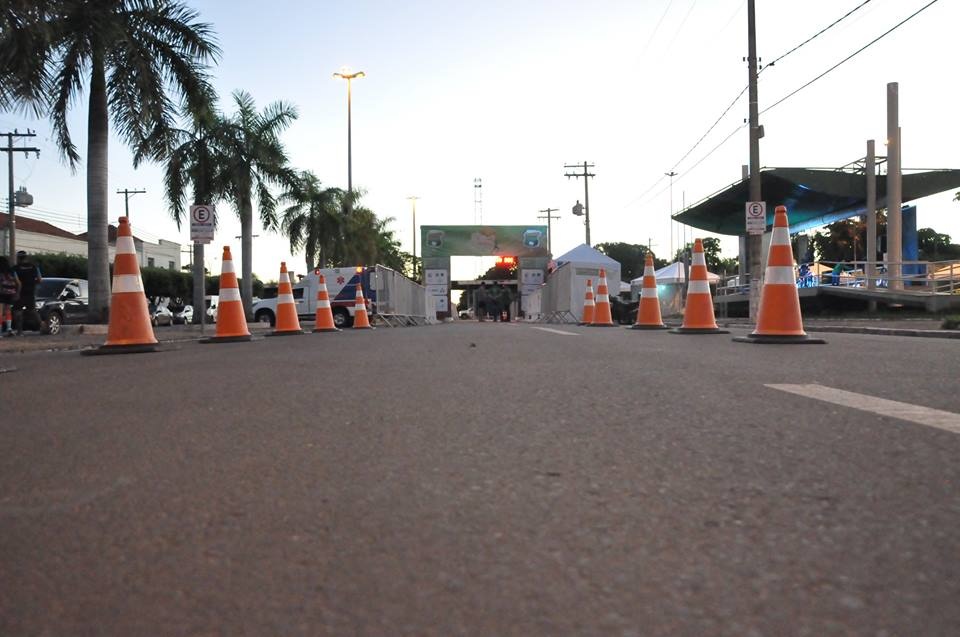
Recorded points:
(754, 241)
(10, 150)
(127, 193)
(671, 175)
(586, 190)
(413, 201)
(549, 218)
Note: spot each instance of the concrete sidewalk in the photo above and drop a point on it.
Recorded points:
(76, 337)
(919, 327)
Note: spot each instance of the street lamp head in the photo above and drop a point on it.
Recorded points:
(345, 74)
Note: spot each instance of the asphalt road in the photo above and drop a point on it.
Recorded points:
(480, 479)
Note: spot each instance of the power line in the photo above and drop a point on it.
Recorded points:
(744, 90)
(852, 55)
(821, 31)
(740, 94)
(657, 28)
(680, 28)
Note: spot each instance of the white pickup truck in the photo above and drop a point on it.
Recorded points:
(341, 286)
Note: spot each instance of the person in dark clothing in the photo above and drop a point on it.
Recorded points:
(482, 298)
(493, 304)
(506, 299)
(9, 291)
(29, 276)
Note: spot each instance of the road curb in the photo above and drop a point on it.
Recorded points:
(880, 331)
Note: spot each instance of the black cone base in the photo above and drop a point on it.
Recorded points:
(603, 324)
(698, 330)
(647, 327)
(104, 350)
(287, 333)
(780, 340)
(326, 329)
(226, 339)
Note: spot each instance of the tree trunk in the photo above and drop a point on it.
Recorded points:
(246, 247)
(311, 253)
(98, 133)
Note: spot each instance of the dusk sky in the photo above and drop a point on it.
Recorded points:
(511, 91)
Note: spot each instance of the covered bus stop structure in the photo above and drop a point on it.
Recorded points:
(814, 197)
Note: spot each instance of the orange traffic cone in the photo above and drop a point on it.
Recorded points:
(129, 330)
(231, 322)
(778, 318)
(324, 313)
(698, 316)
(601, 313)
(588, 305)
(360, 320)
(648, 312)
(288, 324)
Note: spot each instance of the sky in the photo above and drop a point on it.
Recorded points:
(510, 92)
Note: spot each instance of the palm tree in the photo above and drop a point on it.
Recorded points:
(365, 238)
(255, 160)
(196, 161)
(24, 50)
(312, 221)
(140, 59)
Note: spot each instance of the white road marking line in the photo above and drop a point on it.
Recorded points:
(946, 420)
(552, 331)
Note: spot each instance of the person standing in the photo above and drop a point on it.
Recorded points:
(482, 299)
(506, 300)
(29, 276)
(9, 292)
(493, 302)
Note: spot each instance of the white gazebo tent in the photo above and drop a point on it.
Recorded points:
(670, 286)
(582, 263)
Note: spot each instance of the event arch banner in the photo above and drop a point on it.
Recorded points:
(484, 241)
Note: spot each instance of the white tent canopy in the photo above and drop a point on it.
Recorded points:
(580, 264)
(673, 273)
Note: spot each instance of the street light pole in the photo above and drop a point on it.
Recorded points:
(349, 77)
(413, 202)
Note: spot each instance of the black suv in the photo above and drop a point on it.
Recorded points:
(59, 301)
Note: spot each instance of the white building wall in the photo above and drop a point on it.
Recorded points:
(163, 254)
(35, 243)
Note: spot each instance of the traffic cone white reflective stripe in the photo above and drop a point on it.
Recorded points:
(288, 323)
(231, 319)
(602, 316)
(129, 329)
(698, 317)
(360, 319)
(778, 318)
(589, 306)
(324, 319)
(648, 310)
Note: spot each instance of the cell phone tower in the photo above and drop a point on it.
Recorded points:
(477, 201)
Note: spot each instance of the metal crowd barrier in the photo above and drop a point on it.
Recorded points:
(400, 301)
(555, 301)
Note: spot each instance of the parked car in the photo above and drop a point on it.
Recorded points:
(59, 301)
(212, 300)
(162, 316)
(184, 316)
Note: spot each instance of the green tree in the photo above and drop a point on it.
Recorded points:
(140, 60)
(935, 246)
(255, 161)
(630, 256)
(312, 222)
